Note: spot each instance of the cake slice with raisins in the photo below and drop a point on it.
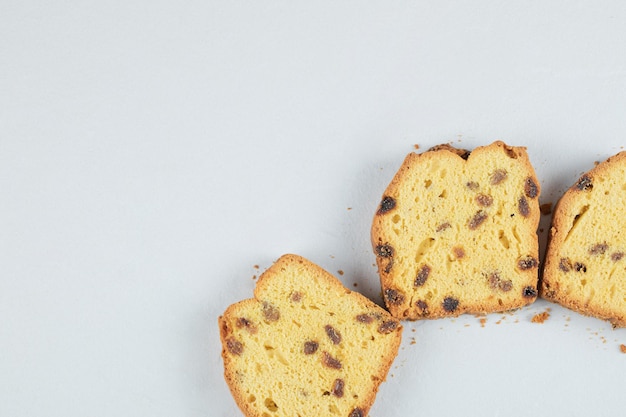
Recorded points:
(456, 232)
(305, 345)
(585, 268)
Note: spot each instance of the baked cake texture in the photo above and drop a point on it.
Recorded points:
(456, 232)
(585, 268)
(305, 345)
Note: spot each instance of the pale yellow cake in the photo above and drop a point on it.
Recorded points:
(585, 268)
(456, 232)
(306, 346)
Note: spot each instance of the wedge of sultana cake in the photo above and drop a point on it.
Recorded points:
(305, 345)
(585, 268)
(456, 232)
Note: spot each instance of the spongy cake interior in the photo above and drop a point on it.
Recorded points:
(458, 232)
(306, 346)
(587, 262)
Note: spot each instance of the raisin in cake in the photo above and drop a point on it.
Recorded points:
(585, 267)
(306, 345)
(456, 232)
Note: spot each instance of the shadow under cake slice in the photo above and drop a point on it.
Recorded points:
(456, 232)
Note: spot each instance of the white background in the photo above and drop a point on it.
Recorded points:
(153, 152)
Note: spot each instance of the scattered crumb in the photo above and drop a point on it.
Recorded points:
(622, 348)
(332, 256)
(467, 325)
(349, 208)
(253, 276)
(499, 321)
(340, 272)
(413, 330)
(596, 163)
(545, 208)
(482, 322)
(416, 146)
(256, 267)
(355, 284)
(413, 341)
(540, 317)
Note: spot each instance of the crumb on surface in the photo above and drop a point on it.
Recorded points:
(340, 272)
(253, 276)
(545, 208)
(483, 321)
(413, 341)
(256, 267)
(355, 284)
(622, 348)
(540, 317)
(416, 146)
(349, 208)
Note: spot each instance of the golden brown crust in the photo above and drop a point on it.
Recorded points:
(455, 232)
(584, 268)
(305, 345)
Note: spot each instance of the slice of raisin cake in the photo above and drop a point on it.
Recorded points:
(305, 345)
(585, 267)
(456, 232)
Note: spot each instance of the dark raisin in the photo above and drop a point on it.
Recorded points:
(393, 297)
(337, 389)
(387, 204)
(498, 176)
(357, 412)
(598, 249)
(530, 188)
(330, 362)
(494, 280)
(296, 296)
(423, 306)
(422, 276)
(529, 292)
(387, 327)
(450, 304)
(565, 265)
(310, 347)
(384, 251)
(472, 185)
(617, 256)
(523, 207)
(458, 252)
(579, 267)
(527, 263)
(477, 220)
(332, 334)
(506, 285)
(584, 183)
(442, 227)
(484, 200)
(234, 346)
(244, 322)
(364, 318)
(270, 312)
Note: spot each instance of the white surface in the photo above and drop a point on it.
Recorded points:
(152, 153)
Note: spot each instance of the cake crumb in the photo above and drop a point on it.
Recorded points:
(482, 322)
(256, 267)
(416, 146)
(545, 208)
(413, 341)
(340, 272)
(355, 284)
(540, 317)
(622, 348)
(253, 277)
(349, 208)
